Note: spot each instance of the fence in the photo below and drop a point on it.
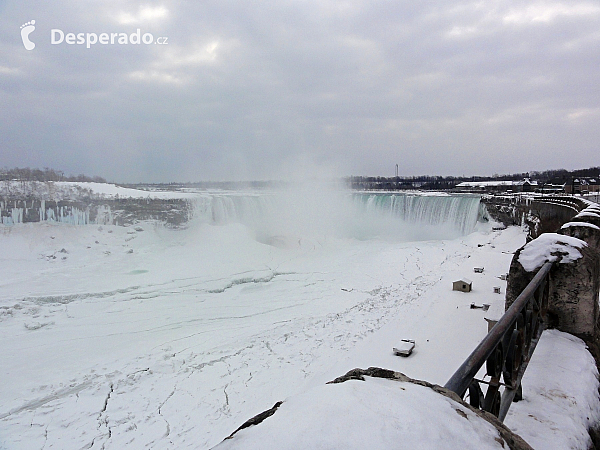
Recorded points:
(506, 351)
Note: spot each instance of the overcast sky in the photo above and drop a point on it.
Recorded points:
(247, 90)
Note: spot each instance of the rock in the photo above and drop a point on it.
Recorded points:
(584, 230)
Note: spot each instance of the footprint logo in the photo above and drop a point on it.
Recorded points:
(26, 30)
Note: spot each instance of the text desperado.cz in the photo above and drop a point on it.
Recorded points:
(58, 37)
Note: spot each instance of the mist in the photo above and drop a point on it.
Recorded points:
(326, 210)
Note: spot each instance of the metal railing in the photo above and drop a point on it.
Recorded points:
(506, 351)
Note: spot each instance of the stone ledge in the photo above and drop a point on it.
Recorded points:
(352, 416)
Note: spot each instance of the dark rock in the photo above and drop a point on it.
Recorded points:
(257, 419)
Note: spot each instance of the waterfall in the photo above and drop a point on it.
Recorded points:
(460, 212)
(316, 211)
(360, 215)
(220, 209)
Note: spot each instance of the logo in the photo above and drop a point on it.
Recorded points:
(26, 30)
(58, 37)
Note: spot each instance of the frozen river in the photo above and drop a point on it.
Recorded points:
(148, 337)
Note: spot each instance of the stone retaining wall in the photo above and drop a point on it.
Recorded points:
(574, 286)
(540, 214)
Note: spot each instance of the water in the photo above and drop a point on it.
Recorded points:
(398, 216)
(458, 213)
(309, 211)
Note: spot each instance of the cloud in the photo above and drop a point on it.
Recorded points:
(9, 70)
(546, 12)
(144, 15)
(242, 90)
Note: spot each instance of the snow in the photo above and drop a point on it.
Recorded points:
(496, 183)
(556, 390)
(580, 224)
(70, 190)
(465, 280)
(485, 183)
(550, 247)
(375, 413)
(586, 213)
(108, 190)
(495, 312)
(555, 412)
(587, 199)
(112, 337)
(411, 192)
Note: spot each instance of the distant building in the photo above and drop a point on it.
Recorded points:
(525, 185)
(552, 188)
(583, 185)
(463, 285)
(485, 186)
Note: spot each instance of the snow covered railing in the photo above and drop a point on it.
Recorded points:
(506, 351)
(573, 203)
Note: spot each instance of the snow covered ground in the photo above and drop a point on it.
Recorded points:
(146, 337)
(73, 190)
(403, 414)
(372, 413)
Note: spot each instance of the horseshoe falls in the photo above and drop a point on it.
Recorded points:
(397, 216)
(457, 214)
(306, 210)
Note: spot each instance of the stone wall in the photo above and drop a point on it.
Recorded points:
(540, 214)
(574, 287)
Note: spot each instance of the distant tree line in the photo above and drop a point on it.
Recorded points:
(46, 174)
(560, 176)
(225, 185)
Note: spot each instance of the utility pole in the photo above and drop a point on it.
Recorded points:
(397, 180)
